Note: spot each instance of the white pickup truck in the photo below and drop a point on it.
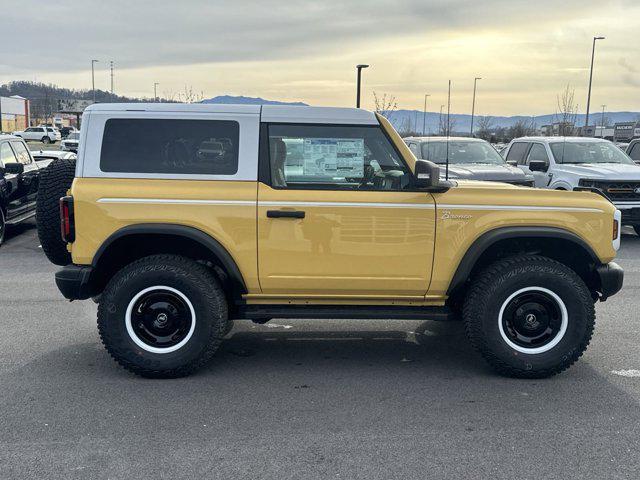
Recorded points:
(570, 163)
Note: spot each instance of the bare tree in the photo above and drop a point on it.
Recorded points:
(485, 124)
(567, 111)
(188, 95)
(385, 105)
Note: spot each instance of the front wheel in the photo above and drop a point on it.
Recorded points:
(163, 316)
(46, 140)
(529, 316)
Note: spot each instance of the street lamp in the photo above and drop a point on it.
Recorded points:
(593, 53)
(473, 105)
(424, 114)
(359, 68)
(93, 79)
(155, 91)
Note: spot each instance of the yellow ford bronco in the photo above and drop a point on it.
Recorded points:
(178, 219)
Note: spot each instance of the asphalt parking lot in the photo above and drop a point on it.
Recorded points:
(306, 399)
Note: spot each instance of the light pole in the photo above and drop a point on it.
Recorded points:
(155, 91)
(440, 124)
(424, 114)
(93, 79)
(602, 122)
(473, 105)
(593, 54)
(111, 66)
(359, 68)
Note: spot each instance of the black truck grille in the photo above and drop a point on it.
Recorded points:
(620, 191)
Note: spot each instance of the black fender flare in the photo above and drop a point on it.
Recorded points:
(487, 239)
(206, 240)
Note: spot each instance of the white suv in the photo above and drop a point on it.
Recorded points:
(39, 134)
(569, 163)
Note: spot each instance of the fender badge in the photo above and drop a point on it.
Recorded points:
(447, 215)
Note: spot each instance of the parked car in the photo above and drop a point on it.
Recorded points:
(65, 131)
(42, 134)
(469, 159)
(174, 244)
(18, 182)
(70, 143)
(633, 150)
(569, 163)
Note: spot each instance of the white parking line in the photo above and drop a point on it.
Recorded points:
(627, 373)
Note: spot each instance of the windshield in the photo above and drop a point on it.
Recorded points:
(461, 152)
(588, 152)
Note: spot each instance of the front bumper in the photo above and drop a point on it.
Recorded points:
(611, 276)
(73, 281)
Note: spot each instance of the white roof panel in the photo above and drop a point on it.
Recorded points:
(330, 115)
(174, 107)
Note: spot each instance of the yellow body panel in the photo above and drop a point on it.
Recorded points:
(233, 223)
(353, 242)
(352, 247)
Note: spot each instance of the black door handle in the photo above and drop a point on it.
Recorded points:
(285, 214)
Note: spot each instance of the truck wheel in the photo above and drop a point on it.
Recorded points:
(529, 316)
(3, 227)
(53, 183)
(163, 316)
(46, 140)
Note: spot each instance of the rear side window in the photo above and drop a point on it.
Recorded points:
(6, 154)
(517, 152)
(635, 152)
(199, 147)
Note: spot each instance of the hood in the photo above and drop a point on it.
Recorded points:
(478, 171)
(602, 171)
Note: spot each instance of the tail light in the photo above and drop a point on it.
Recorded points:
(67, 227)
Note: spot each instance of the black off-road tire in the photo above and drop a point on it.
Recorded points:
(493, 287)
(54, 181)
(196, 282)
(46, 140)
(3, 226)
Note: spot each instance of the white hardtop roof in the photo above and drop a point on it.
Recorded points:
(444, 139)
(560, 139)
(269, 113)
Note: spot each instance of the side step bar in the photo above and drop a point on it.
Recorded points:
(264, 313)
(21, 218)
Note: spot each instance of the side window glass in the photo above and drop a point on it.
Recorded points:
(635, 152)
(192, 147)
(517, 152)
(414, 149)
(538, 152)
(334, 158)
(29, 129)
(22, 153)
(6, 154)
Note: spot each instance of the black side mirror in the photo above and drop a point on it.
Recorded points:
(427, 174)
(538, 165)
(2, 171)
(14, 168)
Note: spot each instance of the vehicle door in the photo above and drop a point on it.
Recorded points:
(338, 217)
(537, 162)
(11, 187)
(28, 184)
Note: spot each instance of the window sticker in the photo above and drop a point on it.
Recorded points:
(333, 157)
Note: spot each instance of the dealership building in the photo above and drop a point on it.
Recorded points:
(14, 112)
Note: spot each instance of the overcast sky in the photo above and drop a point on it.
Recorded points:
(525, 51)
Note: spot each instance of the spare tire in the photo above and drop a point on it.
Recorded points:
(54, 182)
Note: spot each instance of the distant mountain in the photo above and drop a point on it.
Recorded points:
(228, 99)
(412, 120)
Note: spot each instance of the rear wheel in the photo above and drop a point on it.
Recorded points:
(529, 316)
(163, 316)
(46, 140)
(3, 226)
